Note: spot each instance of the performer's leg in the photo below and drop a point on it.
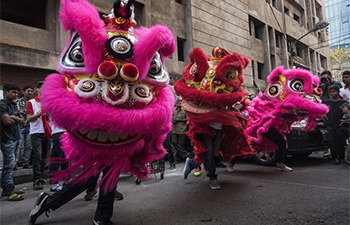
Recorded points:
(209, 162)
(105, 203)
(68, 192)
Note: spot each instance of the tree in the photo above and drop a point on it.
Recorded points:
(340, 60)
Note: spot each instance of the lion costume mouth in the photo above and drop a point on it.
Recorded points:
(198, 107)
(103, 138)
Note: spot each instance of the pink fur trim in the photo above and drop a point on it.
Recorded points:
(81, 16)
(151, 40)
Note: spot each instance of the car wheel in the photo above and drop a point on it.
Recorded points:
(265, 158)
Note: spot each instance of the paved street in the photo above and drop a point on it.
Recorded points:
(316, 192)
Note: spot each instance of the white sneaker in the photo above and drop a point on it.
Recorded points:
(283, 167)
(229, 168)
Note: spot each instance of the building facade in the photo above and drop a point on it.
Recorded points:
(265, 31)
(338, 15)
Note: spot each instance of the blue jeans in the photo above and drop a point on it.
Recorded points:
(8, 149)
(40, 146)
(26, 142)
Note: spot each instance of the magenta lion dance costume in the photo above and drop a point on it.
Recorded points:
(291, 95)
(210, 87)
(111, 94)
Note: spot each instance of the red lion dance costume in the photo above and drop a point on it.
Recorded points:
(291, 95)
(209, 87)
(111, 94)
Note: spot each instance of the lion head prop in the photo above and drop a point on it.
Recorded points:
(210, 87)
(291, 95)
(111, 94)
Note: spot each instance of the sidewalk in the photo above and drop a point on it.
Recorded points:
(21, 176)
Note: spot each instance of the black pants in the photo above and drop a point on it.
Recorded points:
(57, 152)
(179, 144)
(213, 144)
(274, 136)
(169, 147)
(69, 191)
(337, 145)
(40, 145)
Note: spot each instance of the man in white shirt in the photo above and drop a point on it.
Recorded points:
(345, 91)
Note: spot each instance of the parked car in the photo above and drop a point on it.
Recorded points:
(301, 143)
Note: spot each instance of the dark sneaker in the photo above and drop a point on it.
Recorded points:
(90, 195)
(43, 181)
(118, 196)
(102, 222)
(187, 168)
(336, 162)
(37, 185)
(38, 208)
(214, 184)
(172, 167)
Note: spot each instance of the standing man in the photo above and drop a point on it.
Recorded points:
(40, 142)
(178, 133)
(325, 82)
(345, 91)
(10, 118)
(24, 129)
(337, 135)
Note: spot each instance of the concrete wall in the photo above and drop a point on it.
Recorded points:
(223, 24)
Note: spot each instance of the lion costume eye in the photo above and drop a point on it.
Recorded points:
(231, 75)
(274, 90)
(87, 88)
(73, 58)
(141, 93)
(297, 85)
(156, 71)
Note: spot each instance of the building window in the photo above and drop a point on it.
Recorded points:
(253, 69)
(278, 39)
(259, 29)
(273, 61)
(29, 13)
(180, 49)
(274, 3)
(296, 17)
(178, 1)
(260, 70)
(286, 10)
(299, 51)
(139, 11)
(268, 1)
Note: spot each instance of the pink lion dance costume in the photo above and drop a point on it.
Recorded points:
(209, 87)
(111, 94)
(291, 95)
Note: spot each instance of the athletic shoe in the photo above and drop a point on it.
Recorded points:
(187, 169)
(102, 222)
(118, 196)
(214, 184)
(90, 195)
(39, 208)
(283, 167)
(172, 167)
(37, 185)
(229, 168)
(197, 172)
